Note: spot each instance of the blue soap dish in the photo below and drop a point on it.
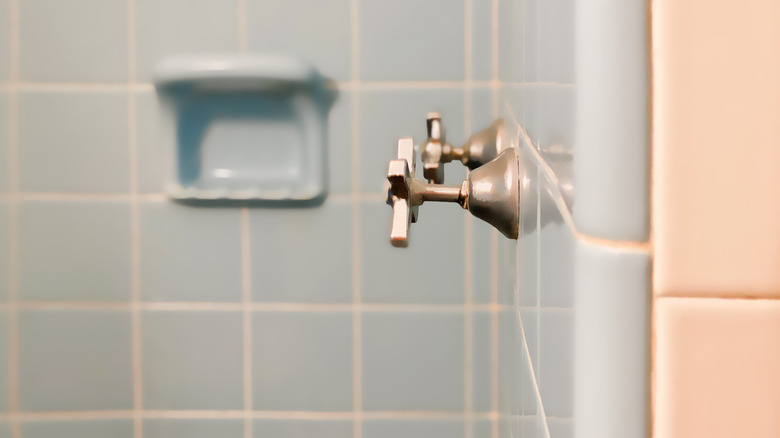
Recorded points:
(243, 127)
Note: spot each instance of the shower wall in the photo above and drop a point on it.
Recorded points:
(123, 314)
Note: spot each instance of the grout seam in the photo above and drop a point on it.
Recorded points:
(13, 227)
(246, 309)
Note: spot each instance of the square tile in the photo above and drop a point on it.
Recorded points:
(190, 254)
(404, 275)
(75, 360)
(5, 138)
(5, 40)
(611, 336)
(302, 255)
(387, 115)
(528, 251)
(412, 40)
(716, 367)
(516, 35)
(73, 41)
(316, 30)
(526, 358)
(556, 41)
(5, 251)
(114, 428)
(302, 361)
(482, 429)
(507, 268)
(556, 260)
(482, 40)
(560, 428)
(413, 428)
(481, 260)
(74, 251)
(83, 147)
(173, 27)
(556, 362)
(482, 361)
(192, 360)
(5, 330)
(193, 428)
(549, 115)
(302, 428)
(340, 144)
(413, 361)
(151, 171)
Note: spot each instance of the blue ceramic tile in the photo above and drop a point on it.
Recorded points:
(5, 430)
(482, 361)
(5, 268)
(5, 40)
(612, 168)
(316, 30)
(147, 120)
(515, 38)
(556, 261)
(482, 429)
(611, 335)
(193, 428)
(411, 40)
(387, 115)
(482, 40)
(507, 271)
(190, 254)
(5, 125)
(413, 428)
(404, 275)
(302, 361)
(192, 360)
(302, 429)
(509, 364)
(555, 20)
(74, 251)
(556, 362)
(560, 428)
(75, 360)
(83, 147)
(413, 361)
(117, 428)
(528, 250)
(302, 255)
(84, 41)
(5, 329)
(173, 27)
(340, 144)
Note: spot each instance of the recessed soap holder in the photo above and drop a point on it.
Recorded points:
(243, 127)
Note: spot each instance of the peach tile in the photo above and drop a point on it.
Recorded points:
(716, 147)
(717, 368)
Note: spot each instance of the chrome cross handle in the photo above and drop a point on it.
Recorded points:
(491, 193)
(480, 148)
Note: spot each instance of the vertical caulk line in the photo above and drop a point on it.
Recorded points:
(135, 242)
(246, 311)
(468, 235)
(357, 338)
(13, 227)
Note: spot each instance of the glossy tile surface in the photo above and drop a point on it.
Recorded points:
(411, 40)
(59, 42)
(5, 40)
(78, 429)
(199, 428)
(302, 428)
(188, 254)
(4, 358)
(715, 201)
(412, 428)
(300, 255)
(706, 390)
(5, 251)
(302, 361)
(5, 124)
(316, 30)
(73, 142)
(75, 360)
(193, 360)
(412, 361)
(74, 251)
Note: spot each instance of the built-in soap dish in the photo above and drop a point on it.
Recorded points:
(243, 127)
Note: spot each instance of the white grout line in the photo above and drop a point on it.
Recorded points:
(246, 309)
(357, 338)
(135, 230)
(13, 227)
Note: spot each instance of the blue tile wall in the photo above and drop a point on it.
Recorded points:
(5, 430)
(114, 428)
(192, 428)
(196, 360)
(124, 301)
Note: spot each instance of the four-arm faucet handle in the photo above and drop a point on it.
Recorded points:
(480, 148)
